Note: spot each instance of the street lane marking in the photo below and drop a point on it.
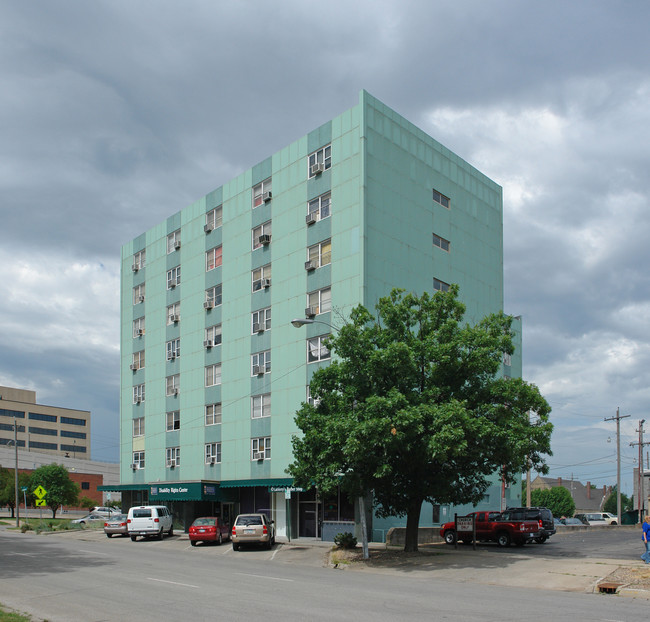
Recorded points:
(261, 576)
(275, 553)
(95, 552)
(23, 554)
(173, 582)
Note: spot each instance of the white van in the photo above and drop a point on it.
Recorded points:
(149, 521)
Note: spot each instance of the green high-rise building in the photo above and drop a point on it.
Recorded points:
(212, 370)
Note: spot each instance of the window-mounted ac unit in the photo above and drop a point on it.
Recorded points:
(171, 356)
(172, 284)
(258, 455)
(267, 196)
(175, 391)
(264, 239)
(175, 317)
(171, 464)
(133, 466)
(311, 311)
(140, 332)
(266, 283)
(310, 265)
(138, 400)
(310, 219)
(140, 298)
(258, 370)
(133, 367)
(316, 169)
(177, 244)
(207, 228)
(135, 267)
(208, 304)
(207, 343)
(213, 460)
(258, 327)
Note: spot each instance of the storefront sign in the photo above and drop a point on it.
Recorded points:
(286, 489)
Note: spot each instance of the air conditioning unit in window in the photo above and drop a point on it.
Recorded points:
(133, 466)
(140, 332)
(208, 304)
(174, 317)
(171, 464)
(135, 267)
(177, 244)
(175, 391)
(310, 219)
(258, 370)
(140, 298)
(257, 327)
(138, 400)
(133, 367)
(213, 460)
(264, 239)
(311, 311)
(207, 343)
(266, 283)
(310, 265)
(267, 196)
(171, 356)
(316, 169)
(172, 284)
(258, 455)
(207, 228)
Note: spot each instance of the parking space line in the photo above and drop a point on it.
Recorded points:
(261, 576)
(172, 582)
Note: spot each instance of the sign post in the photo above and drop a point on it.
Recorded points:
(40, 493)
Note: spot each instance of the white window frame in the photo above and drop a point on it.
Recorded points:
(440, 286)
(138, 294)
(323, 156)
(138, 325)
(138, 393)
(172, 239)
(214, 218)
(260, 406)
(173, 310)
(173, 277)
(213, 375)
(138, 459)
(259, 445)
(507, 359)
(312, 401)
(213, 450)
(263, 229)
(440, 198)
(316, 349)
(172, 385)
(173, 454)
(259, 190)
(173, 347)
(213, 334)
(441, 242)
(212, 256)
(261, 359)
(214, 295)
(213, 414)
(138, 360)
(321, 299)
(315, 253)
(173, 420)
(258, 276)
(320, 207)
(138, 427)
(140, 259)
(261, 317)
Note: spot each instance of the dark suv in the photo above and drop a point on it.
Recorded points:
(544, 515)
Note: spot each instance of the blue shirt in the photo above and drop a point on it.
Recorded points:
(646, 532)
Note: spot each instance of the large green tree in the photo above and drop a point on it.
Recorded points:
(412, 409)
(557, 499)
(61, 490)
(8, 488)
(611, 505)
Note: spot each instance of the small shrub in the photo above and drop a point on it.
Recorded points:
(345, 540)
(26, 527)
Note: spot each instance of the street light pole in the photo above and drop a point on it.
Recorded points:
(618, 462)
(17, 495)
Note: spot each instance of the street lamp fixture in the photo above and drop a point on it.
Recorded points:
(299, 322)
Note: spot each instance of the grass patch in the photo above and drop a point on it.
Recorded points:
(12, 616)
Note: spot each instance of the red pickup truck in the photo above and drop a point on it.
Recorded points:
(497, 527)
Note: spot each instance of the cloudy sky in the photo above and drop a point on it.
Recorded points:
(115, 115)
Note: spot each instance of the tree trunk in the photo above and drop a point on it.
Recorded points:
(412, 526)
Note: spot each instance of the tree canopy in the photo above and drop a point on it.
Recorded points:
(557, 499)
(611, 504)
(413, 409)
(8, 488)
(61, 490)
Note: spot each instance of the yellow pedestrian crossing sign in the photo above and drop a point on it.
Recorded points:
(40, 492)
(41, 503)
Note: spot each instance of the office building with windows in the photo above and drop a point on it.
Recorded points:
(213, 370)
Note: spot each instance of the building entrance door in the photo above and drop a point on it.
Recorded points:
(309, 515)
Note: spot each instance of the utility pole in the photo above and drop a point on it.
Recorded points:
(618, 462)
(17, 495)
(640, 486)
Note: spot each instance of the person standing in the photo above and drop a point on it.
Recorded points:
(646, 539)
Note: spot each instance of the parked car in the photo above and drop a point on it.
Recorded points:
(502, 528)
(252, 529)
(571, 522)
(209, 529)
(150, 521)
(593, 519)
(116, 524)
(610, 518)
(544, 515)
(89, 519)
(105, 511)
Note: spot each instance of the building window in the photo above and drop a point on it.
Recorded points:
(261, 320)
(322, 156)
(68, 434)
(138, 426)
(172, 384)
(213, 334)
(75, 421)
(213, 297)
(212, 453)
(262, 193)
(213, 219)
(261, 448)
(212, 414)
(213, 258)
(138, 294)
(319, 301)
(439, 285)
(40, 445)
(173, 456)
(260, 406)
(507, 359)
(139, 260)
(138, 360)
(173, 277)
(173, 313)
(40, 417)
(173, 420)
(312, 400)
(138, 460)
(319, 207)
(440, 198)
(138, 393)
(138, 327)
(212, 375)
(320, 254)
(441, 242)
(43, 431)
(174, 241)
(85, 485)
(262, 235)
(316, 349)
(261, 363)
(262, 277)
(173, 349)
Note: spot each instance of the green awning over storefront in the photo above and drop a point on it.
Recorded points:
(247, 483)
(177, 491)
